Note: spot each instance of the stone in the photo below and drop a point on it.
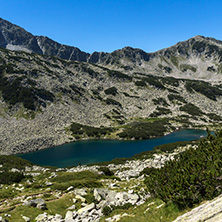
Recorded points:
(69, 188)
(73, 207)
(27, 219)
(86, 208)
(3, 220)
(41, 217)
(47, 183)
(69, 215)
(80, 198)
(81, 192)
(96, 195)
(39, 203)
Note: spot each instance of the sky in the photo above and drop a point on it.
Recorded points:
(107, 25)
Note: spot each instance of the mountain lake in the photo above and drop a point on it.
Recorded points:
(93, 151)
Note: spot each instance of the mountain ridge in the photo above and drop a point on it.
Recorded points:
(198, 57)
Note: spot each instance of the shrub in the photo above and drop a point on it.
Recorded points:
(146, 130)
(160, 111)
(191, 109)
(10, 161)
(160, 101)
(107, 210)
(194, 176)
(11, 177)
(111, 91)
(140, 83)
(79, 129)
(173, 97)
(106, 171)
(119, 75)
(112, 102)
(185, 67)
(211, 92)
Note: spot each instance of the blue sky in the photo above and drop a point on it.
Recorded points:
(107, 25)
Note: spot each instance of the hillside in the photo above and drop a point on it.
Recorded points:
(41, 96)
(126, 94)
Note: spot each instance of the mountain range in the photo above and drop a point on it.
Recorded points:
(48, 90)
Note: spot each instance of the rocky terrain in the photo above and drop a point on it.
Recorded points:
(35, 198)
(111, 192)
(42, 95)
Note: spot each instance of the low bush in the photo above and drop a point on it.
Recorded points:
(211, 92)
(11, 177)
(160, 101)
(111, 91)
(10, 161)
(173, 97)
(79, 129)
(194, 176)
(109, 101)
(106, 171)
(191, 109)
(140, 83)
(146, 130)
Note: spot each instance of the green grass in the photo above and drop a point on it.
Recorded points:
(77, 180)
(149, 213)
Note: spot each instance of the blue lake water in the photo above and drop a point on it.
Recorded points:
(93, 151)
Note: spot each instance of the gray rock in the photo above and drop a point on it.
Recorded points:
(96, 195)
(81, 192)
(39, 203)
(86, 208)
(73, 207)
(27, 219)
(69, 188)
(69, 215)
(80, 198)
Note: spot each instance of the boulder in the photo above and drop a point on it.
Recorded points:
(69, 215)
(81, 192)
(27, 219)
(39, 203)
(96, 195)
(87, 208)
(73, 207)
(80, 198)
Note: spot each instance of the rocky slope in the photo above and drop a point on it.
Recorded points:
(127, 90)
(41, 96)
